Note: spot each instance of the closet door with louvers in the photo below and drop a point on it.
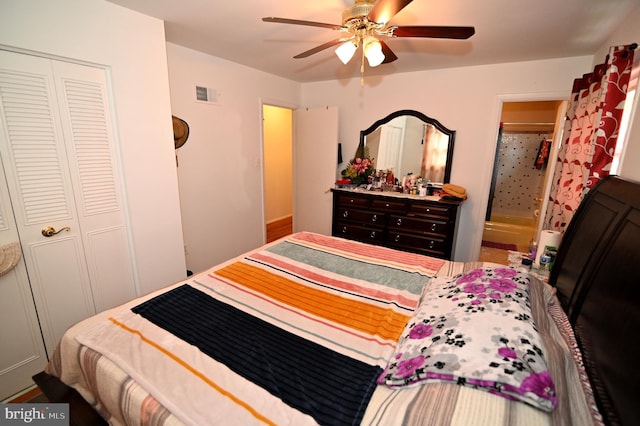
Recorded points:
(22, 352)
(58, 153)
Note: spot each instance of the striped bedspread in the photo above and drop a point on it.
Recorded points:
(349, 298)
(296, 332)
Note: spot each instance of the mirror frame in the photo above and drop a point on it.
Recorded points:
(435, 123)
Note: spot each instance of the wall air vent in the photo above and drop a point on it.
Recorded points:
(208, 95)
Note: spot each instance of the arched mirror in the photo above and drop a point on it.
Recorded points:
(408, 141)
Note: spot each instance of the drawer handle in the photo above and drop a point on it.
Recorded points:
(431, 244)
(386, 205)
(397, 238)
(399, 222)
(373, 234)
(351, 200)
(346, 213)
(344, 229)
(433, 226)
(374, 218)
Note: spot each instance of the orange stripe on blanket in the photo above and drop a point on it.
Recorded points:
(358, 315)
(387, 296)
(195, 372)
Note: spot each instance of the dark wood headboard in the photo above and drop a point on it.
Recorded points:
(597, 275)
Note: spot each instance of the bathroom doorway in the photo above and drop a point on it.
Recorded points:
(521, 175)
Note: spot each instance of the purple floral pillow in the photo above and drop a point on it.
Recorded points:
(476, 330)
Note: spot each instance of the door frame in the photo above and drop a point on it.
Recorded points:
(279, 104)
(497, 114)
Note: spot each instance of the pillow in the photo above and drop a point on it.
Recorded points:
(476, 330)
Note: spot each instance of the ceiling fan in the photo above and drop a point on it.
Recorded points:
(365, 24)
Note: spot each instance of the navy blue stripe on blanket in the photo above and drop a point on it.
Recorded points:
(332, 388)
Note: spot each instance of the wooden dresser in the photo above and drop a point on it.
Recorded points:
(425, 225)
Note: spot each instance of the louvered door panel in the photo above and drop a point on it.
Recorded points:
(85, 102)
(31, 133)
(33, 190)
(22, 354)
(90, 148)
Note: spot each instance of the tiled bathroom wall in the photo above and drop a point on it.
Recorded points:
(518, 182)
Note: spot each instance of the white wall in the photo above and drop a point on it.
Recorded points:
(467, 100)
(132, 47)
(220, 170)
(220, 166)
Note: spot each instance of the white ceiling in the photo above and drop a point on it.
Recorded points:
(506, 31)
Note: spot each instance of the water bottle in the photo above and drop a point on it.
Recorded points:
(545, 261)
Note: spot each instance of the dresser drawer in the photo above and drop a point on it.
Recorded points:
(409, 223)
(367, 217)
(432, 210)
(359, 233)
(412, 224)
(352, 200)
(432, 246)
(389, 206)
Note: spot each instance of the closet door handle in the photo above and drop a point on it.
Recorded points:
(49, 231)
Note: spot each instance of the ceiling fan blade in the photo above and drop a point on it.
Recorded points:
(384, 10)
(299, 22)
(434, 32)
(389, 56)
(319, 48)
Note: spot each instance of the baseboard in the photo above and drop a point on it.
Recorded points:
(279, 228)
(280, 221)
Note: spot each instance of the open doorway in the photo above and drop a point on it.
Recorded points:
(277, 128)
(521, 172)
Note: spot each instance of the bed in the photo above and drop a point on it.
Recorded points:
(312, 329)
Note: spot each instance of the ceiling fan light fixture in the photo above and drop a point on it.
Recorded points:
(365, 22)
(373, 51)
(345, 51)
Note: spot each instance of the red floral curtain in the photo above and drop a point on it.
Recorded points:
(591, 132)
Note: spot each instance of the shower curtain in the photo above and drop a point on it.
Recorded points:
(591, 132)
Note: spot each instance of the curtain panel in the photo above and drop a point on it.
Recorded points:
(590, 134)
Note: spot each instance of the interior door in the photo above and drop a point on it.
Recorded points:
(90, 157)
(57, 152)
(23, 353)
(41, 194)
(315, 153)
(558, 136)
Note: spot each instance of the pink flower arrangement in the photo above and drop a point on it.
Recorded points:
(359, 170)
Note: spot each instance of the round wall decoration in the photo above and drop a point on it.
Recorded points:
(9, 257)
(180, 131)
